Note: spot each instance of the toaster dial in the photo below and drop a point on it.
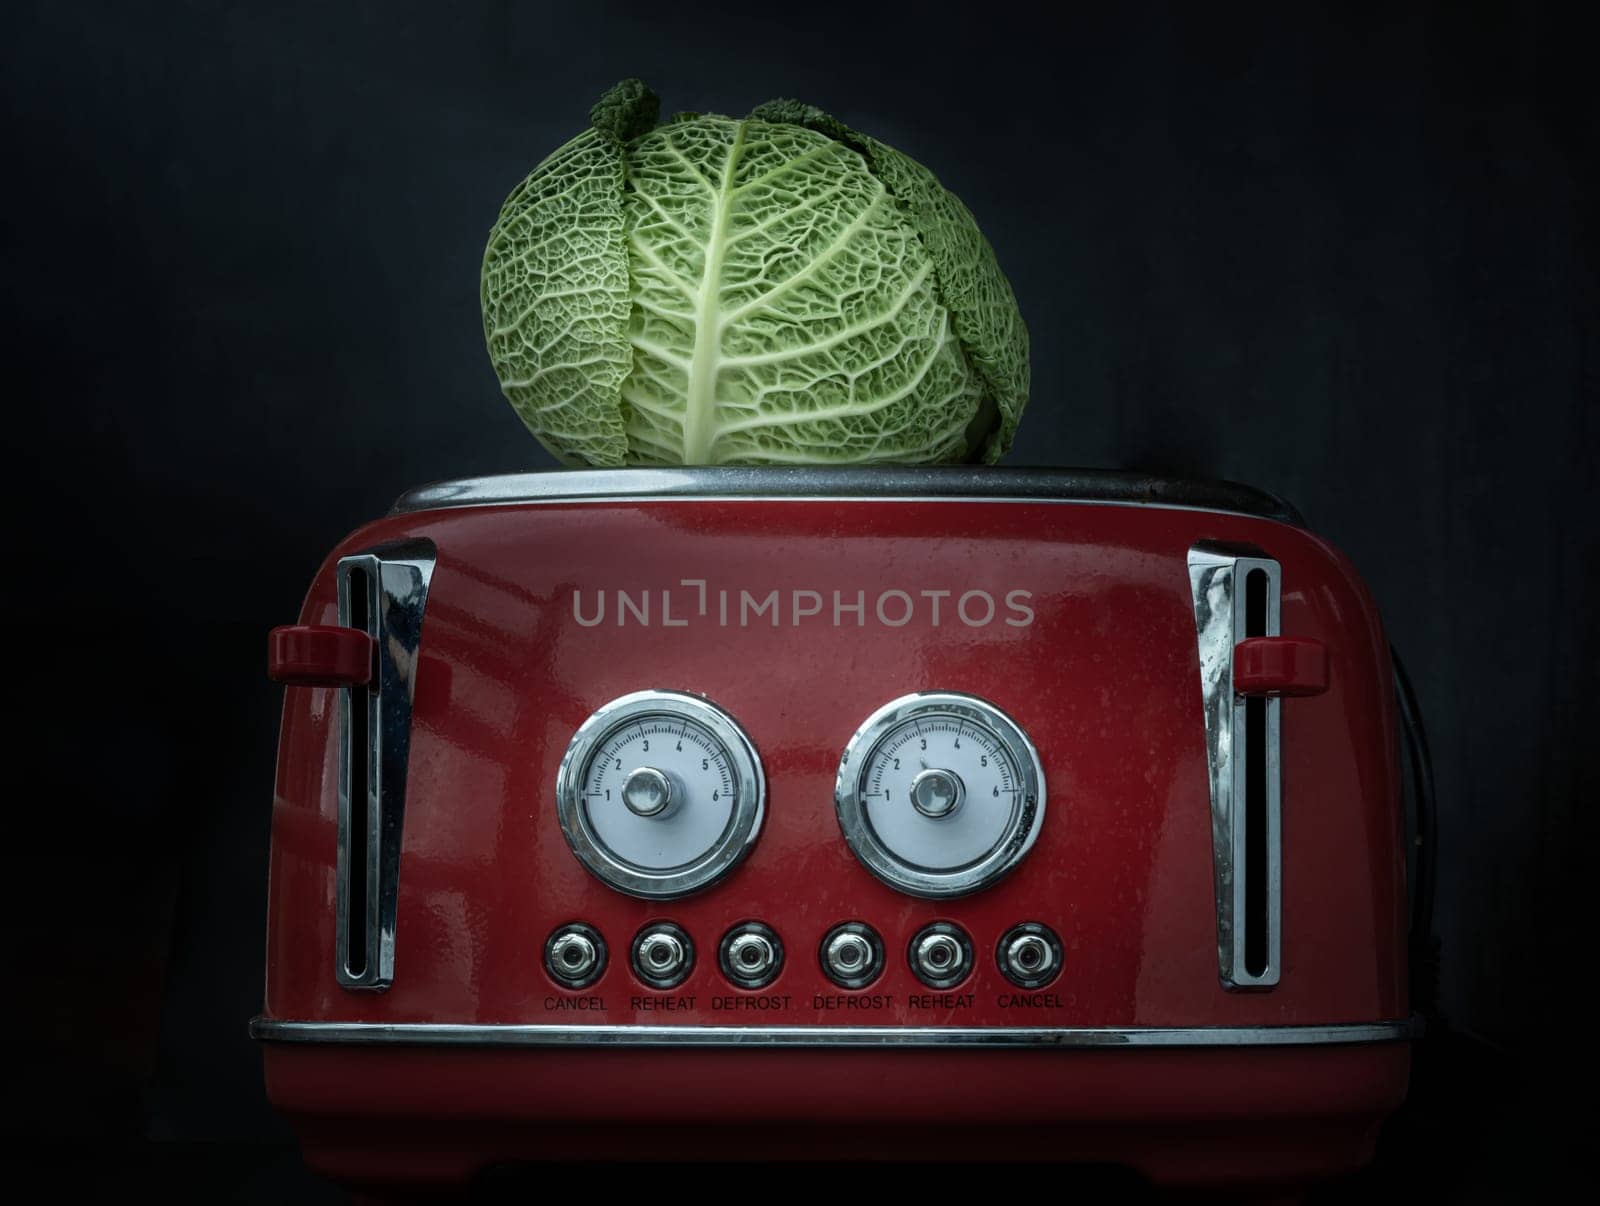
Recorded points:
(940, 794)
(660, 794)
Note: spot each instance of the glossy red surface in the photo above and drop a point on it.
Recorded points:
(1280, 666)
(1271, 1117)
(319, 655)
(1103, 676)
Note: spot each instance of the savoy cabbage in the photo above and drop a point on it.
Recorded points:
(773, 290)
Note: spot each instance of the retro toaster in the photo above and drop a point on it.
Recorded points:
(961, 813)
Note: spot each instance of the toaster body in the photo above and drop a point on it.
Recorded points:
(1090, 780)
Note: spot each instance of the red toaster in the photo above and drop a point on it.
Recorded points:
(946, 813)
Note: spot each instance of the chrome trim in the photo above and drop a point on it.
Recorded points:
(1217, 575)
(397, 576)
(982, 483)
(1073, 1037)
(849, 799)
(744, 826)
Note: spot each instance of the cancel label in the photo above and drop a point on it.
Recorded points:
(1029, 1000)
(560, 1003)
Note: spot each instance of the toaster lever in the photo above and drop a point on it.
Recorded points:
(319, 655)
(1280, 665)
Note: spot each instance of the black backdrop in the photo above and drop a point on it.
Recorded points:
(1348, 256)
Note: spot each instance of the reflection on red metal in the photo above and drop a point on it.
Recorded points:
(1218, 1119)
(1279, 665)
(1077, 620)
(319, 655)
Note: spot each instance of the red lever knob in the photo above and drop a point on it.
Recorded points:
(1279, 665)
(319, 655)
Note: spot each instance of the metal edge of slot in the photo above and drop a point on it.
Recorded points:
(398, 576)
(883, 483)
(442, 1034)
(1216, 577)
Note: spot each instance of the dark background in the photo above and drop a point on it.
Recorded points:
(1347, 255)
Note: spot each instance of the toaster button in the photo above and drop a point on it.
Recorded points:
(941, 955)
(575, 955)
(852, 955)
(751, 955)
(663, 955)
(1029, 955)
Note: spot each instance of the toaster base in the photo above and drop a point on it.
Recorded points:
(1265, 1118)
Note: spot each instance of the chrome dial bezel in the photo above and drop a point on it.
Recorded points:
(737, 837)
(1021, 831)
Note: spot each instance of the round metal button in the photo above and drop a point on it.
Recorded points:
(940, 955)
(751, 951)
(647, 792)
(751, 955)
(937, 793)
(851, 955)
(575, 955)
(663, 955)
(1029, 955)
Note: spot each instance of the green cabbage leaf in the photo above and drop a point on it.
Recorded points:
(776, 289)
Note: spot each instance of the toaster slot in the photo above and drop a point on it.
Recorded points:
(355, 762)
(1258, 923)
(1236, 596)
(383, 592)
